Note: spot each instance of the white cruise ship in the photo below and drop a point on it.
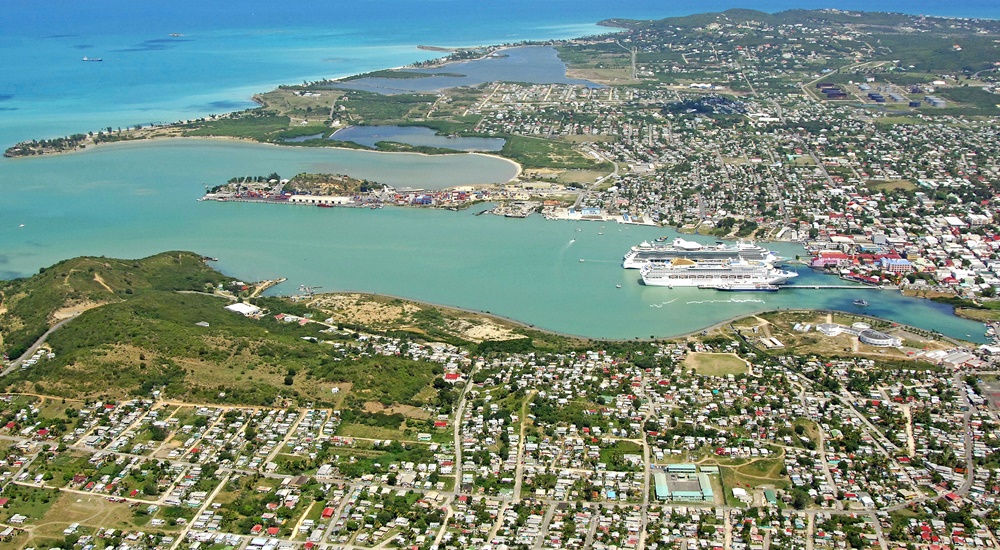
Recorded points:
(711, 273)
(645, 252)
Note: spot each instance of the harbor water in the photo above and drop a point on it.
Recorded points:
(132, 200)
(163, 62)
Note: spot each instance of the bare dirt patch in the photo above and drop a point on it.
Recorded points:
(358, 308)
(100, 281)
(408, 411)
(489, 331)
(74, 310)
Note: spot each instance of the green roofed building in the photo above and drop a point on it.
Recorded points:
(707, 493)
(660, 480)
(683, 486)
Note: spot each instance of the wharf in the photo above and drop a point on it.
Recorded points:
(825, 287)
(260, 287)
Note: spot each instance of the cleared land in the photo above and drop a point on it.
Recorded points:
(716, 364)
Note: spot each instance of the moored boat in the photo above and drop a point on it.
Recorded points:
(713, 273)
(659, 251)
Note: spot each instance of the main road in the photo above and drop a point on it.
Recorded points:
(34, 347)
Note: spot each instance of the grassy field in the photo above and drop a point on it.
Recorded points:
(372, 108)
(90, 511)
(544, 153)
(891, 185)
(978, 314)
(715, 364)
(33, 502)
(580, 176)
(261, 127)
(313, 105)
(753, 473)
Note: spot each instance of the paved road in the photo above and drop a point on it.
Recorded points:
(34, 347)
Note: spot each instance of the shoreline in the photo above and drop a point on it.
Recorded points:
(696, 332)
(158, 139)
(434, 63)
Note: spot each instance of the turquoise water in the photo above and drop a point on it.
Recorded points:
(132, 200)
(531, 64)
(415, 135)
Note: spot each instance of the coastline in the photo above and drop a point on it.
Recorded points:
(159, 139)
(154, 129)
(696, 332)
(155, 139)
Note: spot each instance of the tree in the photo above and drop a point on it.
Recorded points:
(799, 498)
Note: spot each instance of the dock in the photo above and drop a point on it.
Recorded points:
(260, 287)
(827, 287)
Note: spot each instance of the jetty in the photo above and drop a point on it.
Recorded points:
(842, 287)
(260, 287)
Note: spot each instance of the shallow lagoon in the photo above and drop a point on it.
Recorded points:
(416, 136)
(531, 64)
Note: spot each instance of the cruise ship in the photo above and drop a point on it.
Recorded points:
(662, 252)
(713, 273)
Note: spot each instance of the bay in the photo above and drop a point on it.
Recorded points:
(531, 64)
(135, 199)
(165, 61)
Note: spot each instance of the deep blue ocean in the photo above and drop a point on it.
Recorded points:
(164, 61)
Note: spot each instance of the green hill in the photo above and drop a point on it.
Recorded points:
(158, 324)
(28, 307)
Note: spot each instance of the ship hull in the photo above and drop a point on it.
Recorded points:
(738, 274)
(644, 253)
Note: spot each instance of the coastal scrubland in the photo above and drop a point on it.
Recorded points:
(160, 324)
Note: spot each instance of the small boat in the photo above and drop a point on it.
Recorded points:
(618, 286)
(581, 260)
(862, 303)
(85, 58)
(324, 205)
(661, 239)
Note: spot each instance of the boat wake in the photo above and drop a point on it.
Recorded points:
(661, 304)
(730, 301)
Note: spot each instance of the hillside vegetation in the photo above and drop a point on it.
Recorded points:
(28, 307)
(160, 324)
